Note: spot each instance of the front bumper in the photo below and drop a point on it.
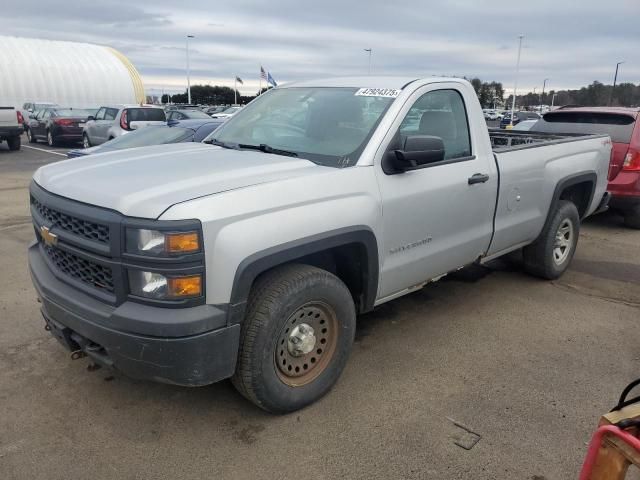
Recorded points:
(185, 346)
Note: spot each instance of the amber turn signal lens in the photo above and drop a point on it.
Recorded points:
(179, 287)
(182, 242)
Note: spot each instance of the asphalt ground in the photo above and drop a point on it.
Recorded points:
(527, 365)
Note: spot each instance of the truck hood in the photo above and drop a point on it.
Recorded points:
(144, 182)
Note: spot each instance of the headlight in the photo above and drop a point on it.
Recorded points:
(160, 287)
(157, 243)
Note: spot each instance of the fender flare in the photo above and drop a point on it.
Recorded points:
(259, 262)
(590, 177)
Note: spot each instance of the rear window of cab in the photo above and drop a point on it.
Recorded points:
(146, 115)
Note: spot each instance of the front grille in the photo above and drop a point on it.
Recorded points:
(78, 268)
(83, 228)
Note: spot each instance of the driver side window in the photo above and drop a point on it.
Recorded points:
(100, 114)
(440, 113)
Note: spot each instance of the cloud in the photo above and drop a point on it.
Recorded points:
(571, 44)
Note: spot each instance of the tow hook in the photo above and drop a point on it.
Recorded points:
(78, 354)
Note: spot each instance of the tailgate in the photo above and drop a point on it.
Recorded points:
(8, 117)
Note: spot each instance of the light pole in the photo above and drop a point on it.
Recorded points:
(553, 99)
(544, 84)
(188, 73)
(615, 78)
(369, 50)
(515, 84)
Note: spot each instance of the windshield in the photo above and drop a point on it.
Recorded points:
(74, 112)
(196, 114)
(329, 126)
(151, 136)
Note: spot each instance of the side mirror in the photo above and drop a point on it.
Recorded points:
(417, 151)
(90, 117)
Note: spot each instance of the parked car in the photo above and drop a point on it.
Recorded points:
(112, 121)
(11, 127)
(200, 262)
(214, 110)
(56, 124)
(173, 132)
(187, 114)
(525, 125)
(229, 112)
(623, 125)
(492, 115)
(29, 108)
(518, 117)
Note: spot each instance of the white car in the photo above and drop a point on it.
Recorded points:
(110, 122)
(492, 115)
(229, 112)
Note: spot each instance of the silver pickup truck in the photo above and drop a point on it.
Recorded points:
(11, 127)
(250, 255)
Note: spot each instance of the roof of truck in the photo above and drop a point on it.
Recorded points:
(368, 81)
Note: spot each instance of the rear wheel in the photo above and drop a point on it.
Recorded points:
(295, 339)
(14, 143)
(632, 217)
(86, 143)
(550, 255)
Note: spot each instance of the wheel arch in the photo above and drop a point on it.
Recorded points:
(578, 188)
(349, 253)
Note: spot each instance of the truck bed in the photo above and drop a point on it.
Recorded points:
(508, 140)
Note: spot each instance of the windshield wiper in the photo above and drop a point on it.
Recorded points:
(213, 141)
(268, 149)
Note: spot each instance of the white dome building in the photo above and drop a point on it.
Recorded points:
(67, 73)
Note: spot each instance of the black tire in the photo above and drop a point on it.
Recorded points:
(275, 298)
(542, 258)
(632, 217)
(14, 143)
(30, 136)
(51, 141)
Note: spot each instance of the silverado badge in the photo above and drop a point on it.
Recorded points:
(49, 239)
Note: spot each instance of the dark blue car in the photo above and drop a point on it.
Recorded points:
(172, 132)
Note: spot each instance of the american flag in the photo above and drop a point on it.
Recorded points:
(263, 74)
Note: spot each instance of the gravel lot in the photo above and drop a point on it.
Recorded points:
(528, 365)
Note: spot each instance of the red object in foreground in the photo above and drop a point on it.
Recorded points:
(596, 442)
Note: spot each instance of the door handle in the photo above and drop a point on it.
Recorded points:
(478, 178)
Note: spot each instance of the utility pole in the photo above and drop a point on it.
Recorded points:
(188, 73)
(615, 78)
(544, 84)
(369, 50)
(515, 84)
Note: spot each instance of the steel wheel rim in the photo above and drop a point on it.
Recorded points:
(563, 241)
(85, 141)
(50, 139)
(300, 370)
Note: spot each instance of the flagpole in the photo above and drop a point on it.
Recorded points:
(260, 89)
(235, 90)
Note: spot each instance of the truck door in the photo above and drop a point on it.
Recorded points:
(438, 217)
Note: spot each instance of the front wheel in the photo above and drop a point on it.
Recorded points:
(30, 136)
(86, 143)
(296, 338)
(50, 140)
(550, 255)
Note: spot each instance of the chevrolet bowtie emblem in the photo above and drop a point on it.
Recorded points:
(49, 239)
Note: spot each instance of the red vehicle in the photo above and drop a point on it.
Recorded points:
(623, 126)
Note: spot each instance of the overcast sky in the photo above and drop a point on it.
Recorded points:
(571, 42)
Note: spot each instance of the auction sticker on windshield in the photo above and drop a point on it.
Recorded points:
(378, 92)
